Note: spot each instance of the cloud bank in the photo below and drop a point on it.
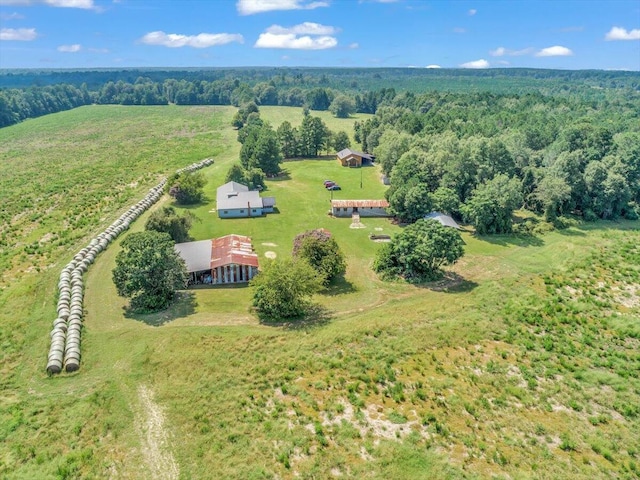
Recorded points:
(70, 48)
(202, 40)
(250, 7)
(555, 51)
(482, 63)
(18, 34)
(305, 36)
(619, 33)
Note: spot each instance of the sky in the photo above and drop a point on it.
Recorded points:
(559, 34)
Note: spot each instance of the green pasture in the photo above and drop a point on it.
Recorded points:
(522, 363)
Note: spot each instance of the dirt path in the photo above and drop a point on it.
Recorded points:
(156, 446)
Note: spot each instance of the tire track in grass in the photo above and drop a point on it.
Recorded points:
(156, 445)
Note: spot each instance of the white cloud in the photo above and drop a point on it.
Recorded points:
(11, 16)
(202, 40)
(482, 63)
(249, 7)
(18, 34)
(354, 45)
(619, 33)
(555, 51)
(70, 48)
(86, 4)
(290, 40)
(501, 52)
(306, 28)
(472, 12)
(433, 66)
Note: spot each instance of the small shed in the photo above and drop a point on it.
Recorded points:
(365, 208)
(444, 219)
(353, 158)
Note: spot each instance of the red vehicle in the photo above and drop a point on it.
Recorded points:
(328, 183)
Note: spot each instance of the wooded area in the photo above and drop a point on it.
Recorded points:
(32, 93)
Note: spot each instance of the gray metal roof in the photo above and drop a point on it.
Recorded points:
(347, 151)
(269, 201)
(444, 219)
(197, 255)
(233, 196)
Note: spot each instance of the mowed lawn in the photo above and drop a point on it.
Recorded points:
(447, 380)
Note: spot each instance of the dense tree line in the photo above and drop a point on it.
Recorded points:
(481, 156)
(31, 93)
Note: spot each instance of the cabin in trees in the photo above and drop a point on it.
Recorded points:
(365, 208)
(351, 158)
(220, 261)
(234, 200)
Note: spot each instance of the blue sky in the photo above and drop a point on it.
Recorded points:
(588, 34)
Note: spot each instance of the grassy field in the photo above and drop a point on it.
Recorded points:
(523, 363)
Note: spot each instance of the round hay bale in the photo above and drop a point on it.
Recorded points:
(75, 355)
(75, 326)
(54, 366)
(63, 305)
(74, 340)
(56, 353)
(57, 334)
(64, 313)
(57, 356)
(57, 345)
(72, 351)
(60, 323)
(72, 366)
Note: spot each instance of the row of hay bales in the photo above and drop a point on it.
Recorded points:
(67, 327)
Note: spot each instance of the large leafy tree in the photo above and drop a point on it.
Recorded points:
(492, 204)
(149, 271)
(167, 220)
(342, 106)
(283, 288)
(187, 187)
(260, 150)
(419, 251)
(322, 252)
(287, 140)
(340, 141)
(313, 136)
(552, 192)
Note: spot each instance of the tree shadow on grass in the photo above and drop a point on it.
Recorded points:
(571, 232)
(183, 306)
(339, 286)
(520, 240)
(281, 177)
(316, 316)
(450, 282)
